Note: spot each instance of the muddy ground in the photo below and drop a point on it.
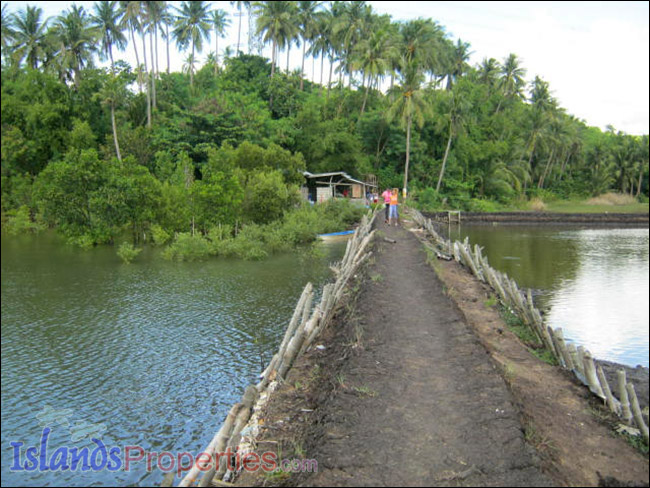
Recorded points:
(421, 383)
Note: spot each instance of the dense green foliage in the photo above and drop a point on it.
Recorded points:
(100, 152)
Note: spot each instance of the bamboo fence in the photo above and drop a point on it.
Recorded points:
(241, 424)
(577, 360)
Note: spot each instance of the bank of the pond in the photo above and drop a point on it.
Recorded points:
(398, 394)
(542, 217)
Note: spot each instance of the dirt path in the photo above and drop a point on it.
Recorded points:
(422, 404)
(418, 383)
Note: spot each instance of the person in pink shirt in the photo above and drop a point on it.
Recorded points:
(386, 196)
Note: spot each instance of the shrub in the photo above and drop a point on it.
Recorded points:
(479, 205)
(20, 221)
(159, 235)
(188, 247)
(127, 252)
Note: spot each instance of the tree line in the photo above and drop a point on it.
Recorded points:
(91, 150)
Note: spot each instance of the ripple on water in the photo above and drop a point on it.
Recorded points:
(155, 351)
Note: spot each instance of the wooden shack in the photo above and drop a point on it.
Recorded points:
(321, 187)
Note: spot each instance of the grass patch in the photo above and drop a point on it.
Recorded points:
(491, 301)
(536, 439)
(365, 391)
(527, 336)
(637, 442)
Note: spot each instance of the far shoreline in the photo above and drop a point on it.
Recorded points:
(627, 219)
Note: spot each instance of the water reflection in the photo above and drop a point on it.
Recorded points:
(591, 282)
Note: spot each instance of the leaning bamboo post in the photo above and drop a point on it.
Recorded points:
(549, 341)
(295, 321)
(636, 410)
(217, 445)
(240, 422)
(577, 363)
(297, 313)
(559, 337)
(292, 351)
(556, 345)
(479, 263)
(248, 400)
(611, 401)
(626, 413)
(592, 378)
(468, 261)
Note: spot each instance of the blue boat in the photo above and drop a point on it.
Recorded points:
(336, 234)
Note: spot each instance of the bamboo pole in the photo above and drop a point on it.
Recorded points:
(217, 445)
(556, 345)
(626, 413)
(240, 422)
(636, 410)
(592, 378)
(612, 403)
(578, 365)
(559, 337)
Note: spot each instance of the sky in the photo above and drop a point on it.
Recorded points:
(594, 55)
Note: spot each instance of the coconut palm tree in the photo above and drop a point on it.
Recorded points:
(112, 94)
(512, 79)
(373, 57)
(8, 32)
(459, 64)
(409, 106)
(107, 19)
(307, 19)
(239, 5)
(488, 73)
(191, 27)
(77, 39)
(353, 26)
(29, 31)
(132, 10)
(220, 23)
(319, 42)
(458, 107)
(542, 107)
(167, 20)
(274, 20)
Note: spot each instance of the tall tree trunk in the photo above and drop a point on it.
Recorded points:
(329, 82)
(110, 52)
(638, 188)
(273, 59)
(408, 152)
(540, 183)
(156, 46)
(137, 58)
(153, 73)
(117, 145)
(216, 52)
(192, 67)
(302, 67)
(322, 62)
(147, 81)
(288, 52)
(365, 98)
(444, 160)
(167, 30)
(238, 31)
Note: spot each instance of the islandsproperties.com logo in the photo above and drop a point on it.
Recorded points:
(99, 457)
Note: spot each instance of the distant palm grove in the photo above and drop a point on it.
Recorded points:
(196, 158)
